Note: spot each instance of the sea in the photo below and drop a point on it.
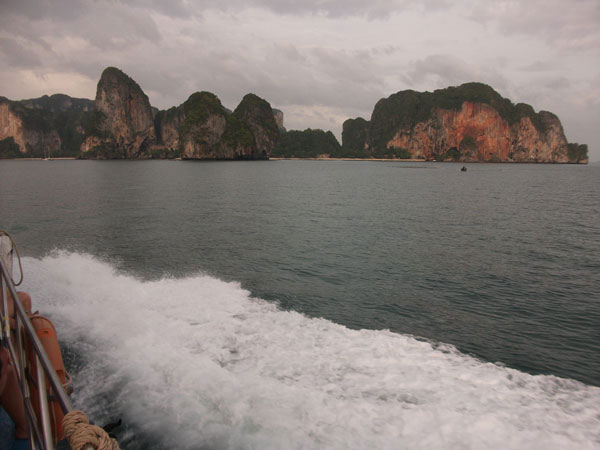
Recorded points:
(319, 304)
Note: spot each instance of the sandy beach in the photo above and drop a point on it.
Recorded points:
(348, 159)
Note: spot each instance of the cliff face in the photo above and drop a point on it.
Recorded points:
(11, 126)
(469, 123)
(478, 133)
(279, 119)
(252, 129)
(202, 123)
(202, 128)
(309, 143)
(31, 130)
(123, 125)
(355, 133)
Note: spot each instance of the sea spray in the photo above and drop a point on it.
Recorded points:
(199, 363)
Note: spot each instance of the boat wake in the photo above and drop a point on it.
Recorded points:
(199, 363)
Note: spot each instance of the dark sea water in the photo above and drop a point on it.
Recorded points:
(307, 304)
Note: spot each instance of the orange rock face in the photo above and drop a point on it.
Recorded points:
(126, 117)
(33, 141)
(211, 131)
(478, 133)
(11, 126)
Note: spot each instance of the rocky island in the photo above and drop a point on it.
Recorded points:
(468, 123)
(471, 122)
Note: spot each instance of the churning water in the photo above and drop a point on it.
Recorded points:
(320, 304)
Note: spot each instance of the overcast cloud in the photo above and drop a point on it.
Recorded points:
(320, 61)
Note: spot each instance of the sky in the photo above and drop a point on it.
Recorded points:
(319, 61)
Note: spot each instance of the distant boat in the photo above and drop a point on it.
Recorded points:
(464, 169)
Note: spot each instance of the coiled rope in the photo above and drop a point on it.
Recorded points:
(81, 434)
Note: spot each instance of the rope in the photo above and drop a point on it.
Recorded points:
(14, 246)
(81, 434)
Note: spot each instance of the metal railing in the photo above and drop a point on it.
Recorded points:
(36, 367)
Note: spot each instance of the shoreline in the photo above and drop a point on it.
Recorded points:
(413, 160)
(58, 158)
(425, 161)
(348, 159)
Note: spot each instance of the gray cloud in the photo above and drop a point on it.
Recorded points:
(539, 66)
(557, 83)
(567, 25)
(103, 25)
(62, 10)
(15, 54)
(321, 61)
(448, 70)
(69, 10)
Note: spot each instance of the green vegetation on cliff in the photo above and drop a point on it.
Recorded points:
(237, 133)
(199, 107)
(34, 118)
(577, 152)
(202, 127)
(58, 113)
(404, 109)
(252, 127)
(9, 149)
(92, 123)
(104, 151)
(355, 133)
(112, 76)
(258, 111)
(307, 144)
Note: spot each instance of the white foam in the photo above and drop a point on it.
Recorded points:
(199, 362)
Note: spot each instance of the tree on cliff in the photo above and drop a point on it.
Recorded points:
(307, 144)
(471, 122)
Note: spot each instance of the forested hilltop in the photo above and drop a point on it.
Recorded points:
(121, 124)
(471, 122)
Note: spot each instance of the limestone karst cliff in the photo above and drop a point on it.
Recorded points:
(307, 144)
(471, 122)
(279, 119)
(193, 129)
(49, 126)
(254, 122)
(123, 125)
(201, 128)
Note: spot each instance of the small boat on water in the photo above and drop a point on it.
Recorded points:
(463, 169)
(34, 385)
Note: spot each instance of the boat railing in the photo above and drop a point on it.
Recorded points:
(35, 366)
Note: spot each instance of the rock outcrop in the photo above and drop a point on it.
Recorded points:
(471, 122)
(193, 129)
(309, 143)
(123, 125)
(43, 127)
(252, 131)
(11, 126)
(201, 128)
(126, 126)
(279, 119)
